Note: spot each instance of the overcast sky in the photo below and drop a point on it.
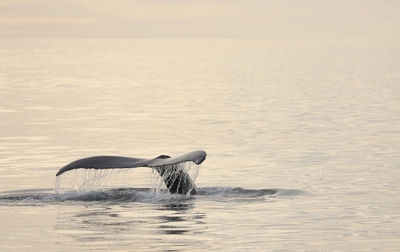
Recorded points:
(200, 18)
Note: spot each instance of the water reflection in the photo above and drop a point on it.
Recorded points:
(181, 220)
(172, 230)
(99, 223)
(176, 206)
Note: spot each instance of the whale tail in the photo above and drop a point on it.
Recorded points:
(175, 178)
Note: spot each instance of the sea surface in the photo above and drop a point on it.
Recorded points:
(302, 137)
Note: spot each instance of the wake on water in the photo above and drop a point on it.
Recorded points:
(145, 195)
(128, 185)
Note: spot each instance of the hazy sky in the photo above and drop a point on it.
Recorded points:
(200, 18)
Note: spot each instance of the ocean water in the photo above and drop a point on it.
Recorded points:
(302, 136)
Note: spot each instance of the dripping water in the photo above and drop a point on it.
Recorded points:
(85, 180)
(175, 175)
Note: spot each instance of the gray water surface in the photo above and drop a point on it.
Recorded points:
(302, 136)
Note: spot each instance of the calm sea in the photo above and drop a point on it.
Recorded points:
(315, 121)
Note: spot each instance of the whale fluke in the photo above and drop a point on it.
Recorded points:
(176, 180)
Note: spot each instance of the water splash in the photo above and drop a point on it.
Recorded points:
(84, 180)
